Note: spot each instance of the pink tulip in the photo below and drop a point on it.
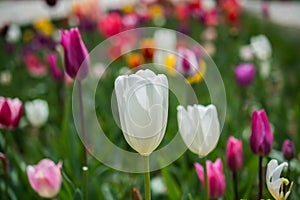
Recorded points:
(111, 24)
(261, 138)
(216, 178)
(10, 112)
(234, 154)
(35, 67)
(45, 178)
(75, 53)
(57, 73)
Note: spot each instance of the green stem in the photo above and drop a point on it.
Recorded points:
(206, 180)
(84, 167)
(6, 174)
(235, 185)
(147, 179)
(260, 177)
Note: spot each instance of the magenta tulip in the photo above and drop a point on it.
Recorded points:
(75, 53)
(10, 112)
(288, 150)
(45, 178)
(244, 74)
(57, 73)
(216, 178)
(261, 138)
(234, 154)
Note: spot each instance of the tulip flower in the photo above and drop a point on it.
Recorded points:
(288, 150)
(10, 112)
(234, 157)
(261, 138)
(261, 47)
(234, 154)
(110, 24)
(143, 108)
(57, 74)
(34, 65)
(45, 178)
(75, 53)
(199, 128)
(216, 178)
(165, 42)
(246, 53)
(37, 112)
(276, 184)
(244, 74)
(187, 63)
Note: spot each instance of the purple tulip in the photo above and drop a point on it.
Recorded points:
(234, 154)
(10, 112)
(261, 138)
(45, 178)
(57, 74)
(244, 74)
(75, 53)
(288, 150)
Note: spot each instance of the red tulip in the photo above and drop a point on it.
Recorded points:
(10, 112)
(216, 178)
(111, 24)
(34, 66)
(234, 154)
(75, 53)
(261, 138)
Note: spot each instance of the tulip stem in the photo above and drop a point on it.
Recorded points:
(84, 168)
(235, 185)
(147, 179)
(5, 167)
(260, 177)
(206, 180)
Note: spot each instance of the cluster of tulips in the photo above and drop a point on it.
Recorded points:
(143, 110)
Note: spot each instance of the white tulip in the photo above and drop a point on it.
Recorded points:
(246, 53)
(37, 112)
(199, 128)
(208, 5)
(143, 109)
(165, 42)
(261, 47)
(14, 33)
(274, 182)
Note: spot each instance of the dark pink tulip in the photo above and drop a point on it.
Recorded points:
(216, 178)
(45, 178)
(288, 150)
(244, 74)
(10, 112)
(56, 72)
(261, 138)
(75, 53)
(234, 154)
(110, 24)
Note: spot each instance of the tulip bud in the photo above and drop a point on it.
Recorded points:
(261, 138)
(143, 109)
(244, 74)
(10, 112)
(75, 54)
(57, 74)
(288, 150)
(216, 178)
(234, 154)
(45, 178)
(37, 112)
(199, 128)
